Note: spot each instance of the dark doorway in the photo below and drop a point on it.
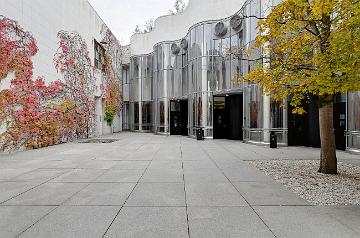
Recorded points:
(228, 117)
(304, 129)
(179, 117)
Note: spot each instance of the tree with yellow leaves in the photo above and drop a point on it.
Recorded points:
(311, 47)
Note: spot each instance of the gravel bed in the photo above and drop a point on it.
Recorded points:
(301, 177)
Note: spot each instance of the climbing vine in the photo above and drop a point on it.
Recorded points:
(112, 90)
(72, 60)
(29, 113)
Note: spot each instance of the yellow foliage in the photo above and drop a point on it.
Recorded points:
(314, 47)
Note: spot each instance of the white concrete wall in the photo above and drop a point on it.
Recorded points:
(175, 27)
(44, 19)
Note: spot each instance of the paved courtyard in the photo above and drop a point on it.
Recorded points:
(145, 185)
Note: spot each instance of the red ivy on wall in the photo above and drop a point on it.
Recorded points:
(73, 62)
(29, 115)
(112, 90)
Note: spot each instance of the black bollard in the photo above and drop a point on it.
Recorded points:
(273, 140)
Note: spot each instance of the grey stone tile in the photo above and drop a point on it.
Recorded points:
(157, 194)
(102, 194)
(213, 194)
(163, 176)
(7, 174)
(268, 193)
(229, 222)
(12, 189)
(79, 176)
(348, 215)
(47, 194)
(40, 175)
(245, 174)
(114, 156)
(199, 164)
(149, 222)
(64, 164)
(120, 176)
(74, 222)
(303, 222)
(204, 175)
(165, 164)
(140, 156)
(98, 164)
(131, 165)
(16, 219)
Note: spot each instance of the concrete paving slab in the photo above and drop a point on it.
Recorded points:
(131, 165)
(79, 176)
(268, 193)
(199, 164)
(165, 164)
(157, 194)
(304, 222)
(149, 222)
(64, 164)
(212, 195)
(120, 176)
(102, 194)
(11, 189)
(97, 164)
(229, 222)
(245, 174)
(162, 176)
(49, 194)
(40, 175)
(73, 222)
(16, 219)
(7, 174)
(204, 175)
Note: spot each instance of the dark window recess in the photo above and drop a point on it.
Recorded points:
(99, 59)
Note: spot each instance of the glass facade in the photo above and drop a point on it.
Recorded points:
(353, 121)
(212, 66)
(141, 93)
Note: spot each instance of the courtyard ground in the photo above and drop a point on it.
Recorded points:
(145, 185)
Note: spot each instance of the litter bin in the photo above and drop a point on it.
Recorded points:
(200, 133)
(273, 140)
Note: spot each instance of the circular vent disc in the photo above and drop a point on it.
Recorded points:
(236, 22)
(175, 49)
(220, 29)
(184, 44)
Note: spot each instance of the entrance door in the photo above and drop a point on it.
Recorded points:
(220, 118)
(179, 117)
(228, 117)
(304, 129)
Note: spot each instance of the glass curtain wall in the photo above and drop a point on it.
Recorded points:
(141, 93)
(209, 66)
(353, 115)
(261, 114)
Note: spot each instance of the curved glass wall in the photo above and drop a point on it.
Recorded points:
(210, 66)
(141, 93)
(353, 135)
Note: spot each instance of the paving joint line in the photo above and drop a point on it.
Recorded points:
(238, 190)
(127, 198)
(186, 205)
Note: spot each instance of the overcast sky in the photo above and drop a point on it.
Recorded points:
(122, 16)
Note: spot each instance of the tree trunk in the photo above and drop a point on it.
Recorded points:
(328, 161)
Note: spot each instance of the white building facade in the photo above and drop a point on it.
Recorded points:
(45, 21)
